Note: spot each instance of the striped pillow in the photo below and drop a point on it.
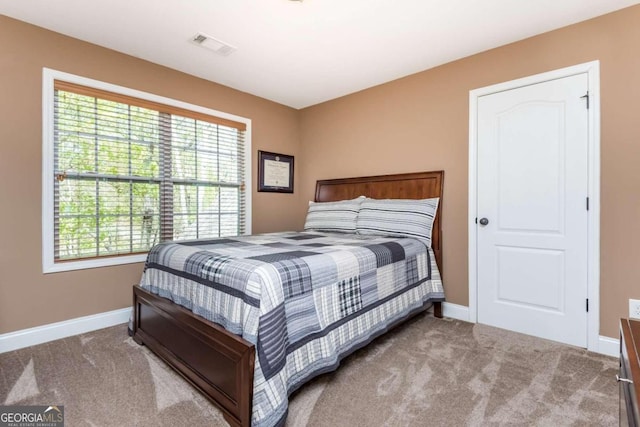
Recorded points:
(333, 216)
(397, 217)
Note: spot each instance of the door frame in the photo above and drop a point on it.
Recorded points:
(593, 229)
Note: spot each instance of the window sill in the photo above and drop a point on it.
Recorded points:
(52, 267)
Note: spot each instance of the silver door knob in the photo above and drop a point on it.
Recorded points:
(484, 221)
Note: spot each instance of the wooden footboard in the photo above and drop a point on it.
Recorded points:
(218, 363)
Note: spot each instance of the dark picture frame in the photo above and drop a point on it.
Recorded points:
(275, 172)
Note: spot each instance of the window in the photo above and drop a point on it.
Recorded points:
(124, 170)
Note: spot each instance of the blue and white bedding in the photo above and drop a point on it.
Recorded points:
(305, 300)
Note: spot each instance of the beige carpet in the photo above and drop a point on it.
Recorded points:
(428, 372)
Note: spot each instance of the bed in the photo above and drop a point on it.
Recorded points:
(246, 353)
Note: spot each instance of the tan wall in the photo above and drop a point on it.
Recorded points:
(27, 297)
(412, 124)
(421, 123)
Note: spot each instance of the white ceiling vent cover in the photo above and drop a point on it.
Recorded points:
(218, 46)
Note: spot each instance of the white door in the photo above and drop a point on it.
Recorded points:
(532, 189)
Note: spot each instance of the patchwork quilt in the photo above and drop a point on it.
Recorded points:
(305, 300)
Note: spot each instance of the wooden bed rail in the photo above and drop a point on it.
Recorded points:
(216, 362)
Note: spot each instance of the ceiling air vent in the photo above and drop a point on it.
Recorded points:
(218, 46)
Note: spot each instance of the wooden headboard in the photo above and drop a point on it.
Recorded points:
(420, 185)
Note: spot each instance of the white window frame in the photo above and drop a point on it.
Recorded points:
(48, 253)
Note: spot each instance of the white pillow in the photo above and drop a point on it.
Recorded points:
(397, 217)
(333, 216)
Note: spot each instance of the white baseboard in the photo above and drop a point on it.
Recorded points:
(455, 311)
(41, 334)
(608, 346)
(67, 328)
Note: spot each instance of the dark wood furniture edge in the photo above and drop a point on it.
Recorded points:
(401, 186)
(191, 344)
(630, 360)
(437, 309)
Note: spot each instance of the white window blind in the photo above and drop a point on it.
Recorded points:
(129, 173)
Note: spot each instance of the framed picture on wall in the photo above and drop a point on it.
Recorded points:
(275, 172)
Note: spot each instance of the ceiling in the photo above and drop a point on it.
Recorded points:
(303, 53)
